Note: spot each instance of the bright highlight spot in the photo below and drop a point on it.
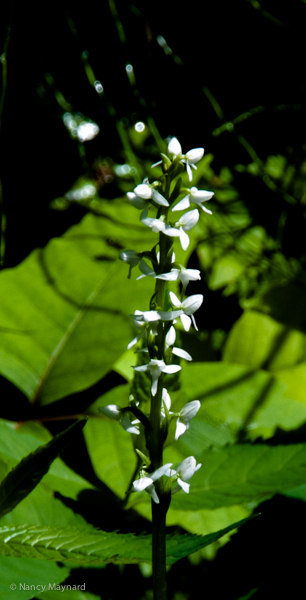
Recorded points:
(140, 126)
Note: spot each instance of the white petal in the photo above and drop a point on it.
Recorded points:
(190, 410)
(186, 322)
(202, 195)
(195, 155)
(174, 299)
(172, 276)
(180, 429)
(143, 191)
(166, 399)
(151, 490)
(161, 471)
(174, 147)
(189, 220)
(159, 199)
(187, 468)
(151, 315)
(171, 336)
(185, 486)
(170, 315)
(171, 369)
(141, 484)
(141, 368)
(154, 384)
(127, 425)
(133, 342)
(205, 209)
(181, 353)
(171, 231)
(191, 304)
(160, 162)
(189, 172)
(184, 239)
(183, 204)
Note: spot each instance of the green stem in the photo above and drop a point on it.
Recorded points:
(159, 511)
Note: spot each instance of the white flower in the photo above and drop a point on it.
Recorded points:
(189, 306)
(156, 368)
(145, 482)
(147, 192)
(115, 412)
(196, 197)
(189, 159)
(158, 225)
(187, 413)
(185, 470)
(182, 274)
(187, 222)
(170, 339)
(166, 402)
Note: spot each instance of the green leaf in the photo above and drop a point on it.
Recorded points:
(258, 341)
(27, 572)
(83, 547)
(23, 478)
(16, 441)
(243, 473)
(110, 447)
(234, 397)
(64, 310)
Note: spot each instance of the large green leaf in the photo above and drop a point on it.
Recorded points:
(25, 476)
(89, 547)
(64, 310)
(234, 396)
(28, 575)
(259, 341)
(110, 447)
(243, 473)
(16, 441)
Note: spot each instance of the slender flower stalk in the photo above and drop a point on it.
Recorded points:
(158, 356)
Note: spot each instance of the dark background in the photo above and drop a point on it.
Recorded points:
(244, 53)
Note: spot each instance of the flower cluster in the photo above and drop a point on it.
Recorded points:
(156, 333)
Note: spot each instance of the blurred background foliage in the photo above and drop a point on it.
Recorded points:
(89, 94)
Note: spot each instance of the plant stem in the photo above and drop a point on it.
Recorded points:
(159, 549)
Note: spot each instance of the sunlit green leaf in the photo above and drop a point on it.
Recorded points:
(17, 442)
(24, 477)
(28, 575)
(64, 310)
(94, 547)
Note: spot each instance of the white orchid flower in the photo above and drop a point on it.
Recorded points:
(159, 225)
(146, 481)
(115, 412)
(147, 192)
(181, 274)
(156, 368)
(189, 306)
(189, 159)
(170, 340)
(196, 197)
(185, 470)
(187, 413)
(186, 223)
